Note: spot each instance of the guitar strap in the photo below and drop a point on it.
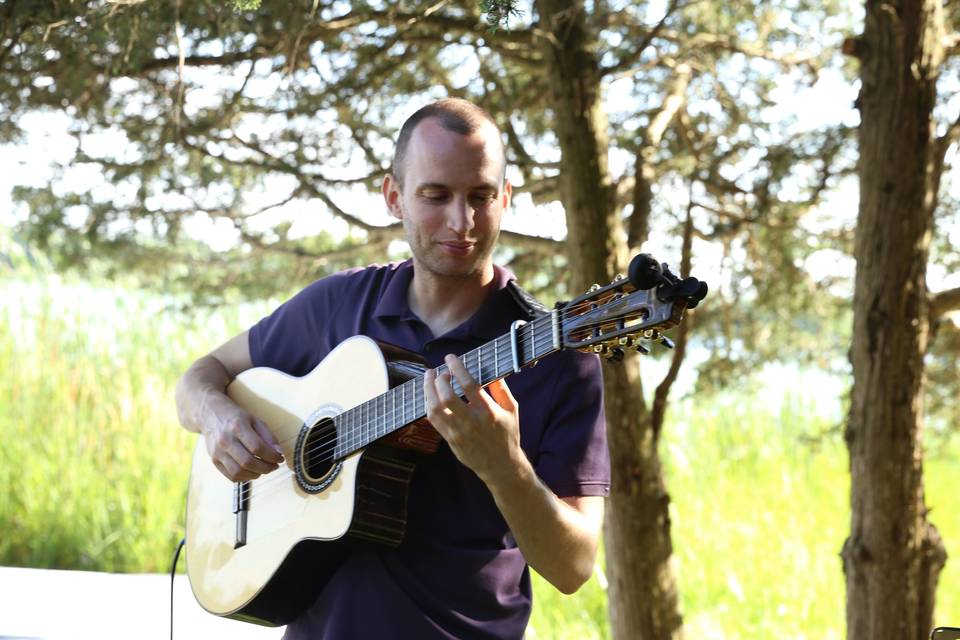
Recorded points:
(531, 307)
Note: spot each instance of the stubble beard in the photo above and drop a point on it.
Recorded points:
(427, 255)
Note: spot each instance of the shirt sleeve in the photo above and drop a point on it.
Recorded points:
(292, 339)
(573, 459)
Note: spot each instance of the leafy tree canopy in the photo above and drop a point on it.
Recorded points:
(262, 117)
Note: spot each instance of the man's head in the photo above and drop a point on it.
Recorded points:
(453, 114)
(449, 190)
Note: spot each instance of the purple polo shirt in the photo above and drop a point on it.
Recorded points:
(458, 573)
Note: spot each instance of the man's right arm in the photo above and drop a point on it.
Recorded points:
(240, 445)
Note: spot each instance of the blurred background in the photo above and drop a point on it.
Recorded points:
(170, 172)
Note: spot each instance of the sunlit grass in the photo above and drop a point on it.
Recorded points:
(93, 470)
(760, 514)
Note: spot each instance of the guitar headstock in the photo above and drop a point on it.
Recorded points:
(630, 310)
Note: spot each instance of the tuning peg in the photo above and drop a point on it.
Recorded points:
(667, 342)
(616, 354)
(625, 341)
(593, 287)
(641, 349)
(645, 272)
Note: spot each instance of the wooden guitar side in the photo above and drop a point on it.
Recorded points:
(260, 580)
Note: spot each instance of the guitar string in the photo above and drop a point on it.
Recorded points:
(262, 486)
(353, 440)
(315, 452)
(321, 449)
(267, 484)
(330, 442)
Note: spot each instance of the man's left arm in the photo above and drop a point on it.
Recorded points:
(557, 536)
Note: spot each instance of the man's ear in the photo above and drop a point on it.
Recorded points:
(507, 194)
(391, 195)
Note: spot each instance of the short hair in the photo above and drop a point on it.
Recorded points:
(453, 114)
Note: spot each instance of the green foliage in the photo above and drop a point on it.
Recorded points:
(246, 5)
(293, 108)
(499, 12)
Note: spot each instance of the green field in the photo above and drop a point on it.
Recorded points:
(93, 470)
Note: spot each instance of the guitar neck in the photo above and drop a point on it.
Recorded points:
(404, 404)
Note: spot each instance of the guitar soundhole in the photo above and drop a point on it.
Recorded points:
(316, 466)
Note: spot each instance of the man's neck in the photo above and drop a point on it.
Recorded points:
(444, 303)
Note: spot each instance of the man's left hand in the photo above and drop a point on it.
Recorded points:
(483, 430)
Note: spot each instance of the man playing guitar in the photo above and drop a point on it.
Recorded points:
(522, 472)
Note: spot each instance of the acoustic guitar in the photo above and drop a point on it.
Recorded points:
(346, 440)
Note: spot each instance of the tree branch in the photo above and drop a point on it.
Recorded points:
(944, 301)
(951, 135)
(644, 174)
(438, 25)
(538, 244)
(622, 68)
(317, 259)
(704, 40)
(662, 392)
(227, 59)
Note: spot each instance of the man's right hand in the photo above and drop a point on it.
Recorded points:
(240, 445)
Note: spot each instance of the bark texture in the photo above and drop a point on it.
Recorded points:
(893, 557)
(642, 585)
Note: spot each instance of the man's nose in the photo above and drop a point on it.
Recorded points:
(460, 216)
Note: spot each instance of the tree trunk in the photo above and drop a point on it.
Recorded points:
(642, 592)
(643, 596)
(893, 556)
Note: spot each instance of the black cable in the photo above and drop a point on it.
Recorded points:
(173, 572)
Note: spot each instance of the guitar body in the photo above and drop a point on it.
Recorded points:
(268, 564)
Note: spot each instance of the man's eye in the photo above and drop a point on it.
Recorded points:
(434, 196)
(484, 197)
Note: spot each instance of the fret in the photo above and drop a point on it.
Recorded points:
(533, 342)
(387, 415)
(418, 406)
(414, 385)
(533, 347)
(522, 343)
(381, 421)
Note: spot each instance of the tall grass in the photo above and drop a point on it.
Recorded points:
(93, 469)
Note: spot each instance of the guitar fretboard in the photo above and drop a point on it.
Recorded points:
(404, 404)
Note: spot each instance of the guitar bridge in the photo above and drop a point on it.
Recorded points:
(241, 506)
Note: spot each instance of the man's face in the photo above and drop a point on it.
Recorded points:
(452, 199)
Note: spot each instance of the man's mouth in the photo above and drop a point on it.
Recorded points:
(457, 248)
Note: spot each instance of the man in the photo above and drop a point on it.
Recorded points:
(516, 483)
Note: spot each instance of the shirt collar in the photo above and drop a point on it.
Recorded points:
(393, 302)
(487, 322)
